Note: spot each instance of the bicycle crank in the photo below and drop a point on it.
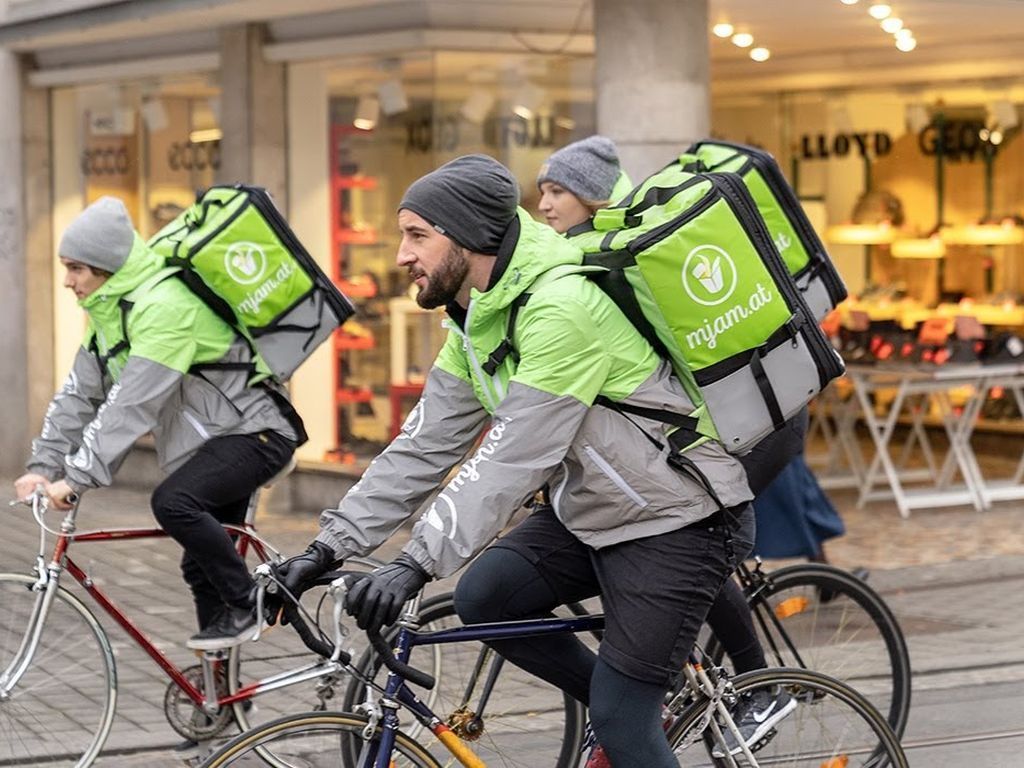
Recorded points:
(467, 725)
(188, 720)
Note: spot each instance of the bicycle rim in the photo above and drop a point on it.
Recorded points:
(525, 721)
(313, 740)
(61, 709)
(831, 726)
(853, 636)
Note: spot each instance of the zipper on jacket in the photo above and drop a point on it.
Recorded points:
(615, 477)
(196, 424)
(478, 370)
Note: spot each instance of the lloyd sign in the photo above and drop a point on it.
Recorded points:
(821, 146)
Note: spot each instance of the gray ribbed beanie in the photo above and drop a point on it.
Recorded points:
(101, 236)
(588, 168)
(471, 199)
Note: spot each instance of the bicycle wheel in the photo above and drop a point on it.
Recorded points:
(832, 726)
(61, 709)
(517, 720)
(822, 618)
(313, 740)
(280, 650)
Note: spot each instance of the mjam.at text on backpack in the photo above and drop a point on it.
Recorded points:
(688, 257)
(237, 253)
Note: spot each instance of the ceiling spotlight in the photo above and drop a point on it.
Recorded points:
(996, 137)
(984, 134)
(892, 25)
(879, 11)
(904, 32)
(760, 54)
(906, 44)
(743, 39)
(724, 29)
(367, 113)
(849, 2)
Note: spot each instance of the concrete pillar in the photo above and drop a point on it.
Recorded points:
(252, 113)
(39, 249)
(651, 78)
(14, 337)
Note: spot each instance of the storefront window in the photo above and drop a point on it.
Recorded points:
(392, 121)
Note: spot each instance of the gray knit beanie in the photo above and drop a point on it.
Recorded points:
(471, 199)
(101, 236)
(588, 168)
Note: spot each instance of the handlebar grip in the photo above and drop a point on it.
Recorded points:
(400, 668)
(311, 641)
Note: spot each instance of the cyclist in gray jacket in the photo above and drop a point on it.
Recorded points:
(654, 542)
(157, 360)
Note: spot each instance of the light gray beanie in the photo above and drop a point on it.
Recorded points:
(588, 168)
(101, 236)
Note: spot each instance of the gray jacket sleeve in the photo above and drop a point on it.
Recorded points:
(131, 410)
(436, 436)
(530, 435)
(69, 411)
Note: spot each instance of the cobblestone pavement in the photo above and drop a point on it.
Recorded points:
(953, 577)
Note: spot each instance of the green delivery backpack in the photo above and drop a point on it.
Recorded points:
(794, 237)
(689, 259)
(236, 251)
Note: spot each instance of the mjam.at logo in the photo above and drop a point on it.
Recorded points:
(709, 275)
(245, 262)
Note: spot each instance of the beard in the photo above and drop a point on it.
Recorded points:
(444, 283)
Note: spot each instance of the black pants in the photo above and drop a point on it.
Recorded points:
(211, 488)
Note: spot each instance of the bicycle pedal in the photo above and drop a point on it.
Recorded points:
(763, 741)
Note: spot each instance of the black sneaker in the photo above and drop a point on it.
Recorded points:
(755, 714)
(232, 627)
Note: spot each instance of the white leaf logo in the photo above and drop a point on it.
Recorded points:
(709, 275)
(245, 262)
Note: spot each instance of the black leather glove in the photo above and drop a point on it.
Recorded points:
(376, 600)
(296, 571)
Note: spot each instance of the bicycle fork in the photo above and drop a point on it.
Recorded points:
(46, 589)
(699, 680)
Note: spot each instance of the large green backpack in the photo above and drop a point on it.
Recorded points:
(237, 252)
(795, 239)
(688, 258)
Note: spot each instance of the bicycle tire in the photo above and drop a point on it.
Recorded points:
(522, 710)
(61, 710)
(279, 650)
(315, 739)
(832, 725)
(877, 665)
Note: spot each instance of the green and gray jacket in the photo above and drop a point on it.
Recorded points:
(608, 481)
(105, 404)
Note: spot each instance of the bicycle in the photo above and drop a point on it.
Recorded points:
(852, 636)
(832, 725)
(58, 677)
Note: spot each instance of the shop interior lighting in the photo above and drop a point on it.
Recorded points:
(760, 54)
(743, 39)
(723, 29)
(477, 105)
(849, 2)
(527, 100)
(892, 25)
(1003, 113)
(154, 114)
(367, 113)
(983, 234)
(906, 44)
(904, 32)
(860, 234)
(204, 135)
(918, 248)
(565, 122)
(391, 96)
(996, 137)
(880, 11)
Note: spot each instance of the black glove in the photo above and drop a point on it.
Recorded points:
(376, 600)
(295, 572)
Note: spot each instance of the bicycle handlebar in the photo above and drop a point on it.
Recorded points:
(400, 668)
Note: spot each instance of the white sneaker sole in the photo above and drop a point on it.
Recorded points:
(761, 730)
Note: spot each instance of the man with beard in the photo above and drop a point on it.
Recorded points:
(621, 523)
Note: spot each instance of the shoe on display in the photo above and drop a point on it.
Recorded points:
(755, 714)
(233, 626)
